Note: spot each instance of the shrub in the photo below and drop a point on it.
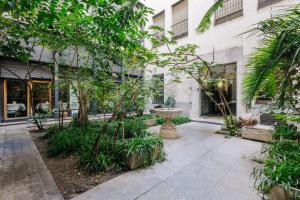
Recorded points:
(93, 164)
(177, 120)
(281, 167)
(80, 140)
(233, 125)
(181, 120)
(72, 140)
(148, 116)
(144, 147)
(40, 119)
(283, 130)
(160, 120)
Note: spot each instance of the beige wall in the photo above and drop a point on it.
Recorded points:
(224, 38)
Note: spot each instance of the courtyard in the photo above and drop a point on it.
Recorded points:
(199, 165)
(149, 99)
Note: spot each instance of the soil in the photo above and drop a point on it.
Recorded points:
(70, 180)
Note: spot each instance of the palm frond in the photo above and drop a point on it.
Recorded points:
(276, 57)
(206, 20)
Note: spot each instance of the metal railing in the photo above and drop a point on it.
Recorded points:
(180, 29)
(263, 3)
(230, 10)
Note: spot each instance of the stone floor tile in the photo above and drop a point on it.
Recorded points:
(23, 174)
(164, 191)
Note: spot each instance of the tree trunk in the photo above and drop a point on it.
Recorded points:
(82, 116)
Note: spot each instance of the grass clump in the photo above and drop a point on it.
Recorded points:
(286, 131)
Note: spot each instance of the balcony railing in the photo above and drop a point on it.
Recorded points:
(263, 3)
(180, 29)
(230, 10)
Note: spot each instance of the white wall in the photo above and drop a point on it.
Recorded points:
(224, 38)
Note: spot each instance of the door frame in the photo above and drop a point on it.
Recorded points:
(29, 87)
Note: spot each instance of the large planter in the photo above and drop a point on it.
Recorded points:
(135, 161)
(150, 122)
(168, 129)
(279, 193)
(258, 134)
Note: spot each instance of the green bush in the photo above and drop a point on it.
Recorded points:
(148, 116)
(177, 120)
(181, 120)
(233, 125)
(280, 168)
(71, 140)
(93, 164)
(283, 130)
(80, 140)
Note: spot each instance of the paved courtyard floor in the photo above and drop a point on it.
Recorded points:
(23, 174)
(200, 166)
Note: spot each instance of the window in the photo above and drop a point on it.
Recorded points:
(16, 98)
(180, 19)
(41, 94)
(159, 99)
(263, 3)
(230, 10)
(159, 20)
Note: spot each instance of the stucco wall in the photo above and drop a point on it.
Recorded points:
(224, 39)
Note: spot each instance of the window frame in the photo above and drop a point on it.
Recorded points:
(184, 34)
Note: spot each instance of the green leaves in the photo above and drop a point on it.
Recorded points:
(206, 20)
(270, 68)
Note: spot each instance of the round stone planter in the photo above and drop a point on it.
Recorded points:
(168, 129)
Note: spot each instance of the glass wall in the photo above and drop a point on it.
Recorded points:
(17, 97)
(41, 96)
(16, 101)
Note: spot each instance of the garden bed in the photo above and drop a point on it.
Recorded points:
(70, 180)
(80, 156)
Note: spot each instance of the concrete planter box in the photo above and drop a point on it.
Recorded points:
(279, 193)
(150, 122)
(258, 134)
(135, 161)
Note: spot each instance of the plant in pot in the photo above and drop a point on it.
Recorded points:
(143, 151)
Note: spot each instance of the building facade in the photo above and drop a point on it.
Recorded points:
(223, 42)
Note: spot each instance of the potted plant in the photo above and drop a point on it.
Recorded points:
(143, 151)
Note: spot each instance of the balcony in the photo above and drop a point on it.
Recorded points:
(264, 3)
(180, 29)
(231, 9)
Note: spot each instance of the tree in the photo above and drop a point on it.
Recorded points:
(84, 36)
(184, 60)
(276, 63)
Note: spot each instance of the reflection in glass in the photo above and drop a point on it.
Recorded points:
(16, 98)
(40, 96)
